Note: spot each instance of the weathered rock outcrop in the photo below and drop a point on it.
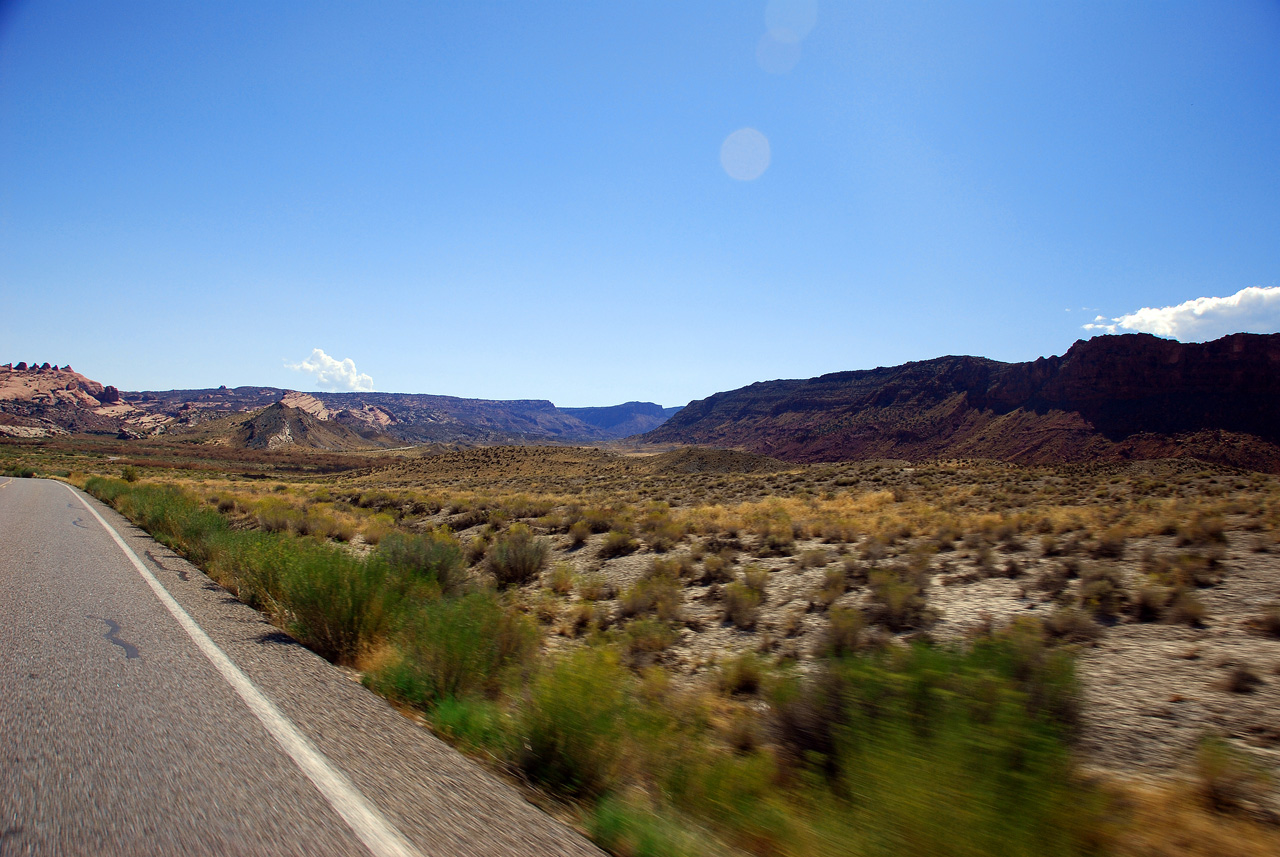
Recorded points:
(1108, 398)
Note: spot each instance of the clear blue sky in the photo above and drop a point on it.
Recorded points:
(528, 200)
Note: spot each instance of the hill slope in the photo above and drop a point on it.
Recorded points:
(1108, 398)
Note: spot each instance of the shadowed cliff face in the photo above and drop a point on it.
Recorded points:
(1108, 398)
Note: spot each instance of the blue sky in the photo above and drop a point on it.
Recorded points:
(519, 200)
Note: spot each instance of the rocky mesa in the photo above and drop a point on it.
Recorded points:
(1109, 398)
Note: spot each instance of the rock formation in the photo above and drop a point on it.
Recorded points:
(1109, 398)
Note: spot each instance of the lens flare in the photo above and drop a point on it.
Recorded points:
(745, 154)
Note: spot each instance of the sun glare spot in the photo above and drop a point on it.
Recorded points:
(795, 16)
(778, 51)
(745, 154)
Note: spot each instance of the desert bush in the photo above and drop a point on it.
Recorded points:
(1267, 623)
(742, 674)
(377, 528)
(657, 595)
(455, 647)
(659, 528)
(718, 567)
(1102, 591)
(1071, 625)
(1150, 602)
(579, 531)
(337, 604)
(631, 829)
(832, 587)
(579, 619)
(1241, 678)
(276, 515)
(129, 473)
(854, 571)
(1229, 779)
(574, 722)
(757, 579)
(741, 605)
(1201, 530)
(1186, 608)
(517, 556)
(675, 567)
(1111, 544)
(945, 537)
(815, 558)
(1184, 570)
(940, 746)
(644, 637)
(473, 723)
(436, 556)
(593, 587)
(617, 543)
(844, 633)
(897, 600)
(562, 578)
(477, 548)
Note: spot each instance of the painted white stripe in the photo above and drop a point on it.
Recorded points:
(378, 834)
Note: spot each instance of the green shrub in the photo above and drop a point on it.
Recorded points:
(658, 595)
(617, 543)
(834, 584)
(1102, 591)
(897, 600)
(574, 723)
(942, 751)
(741, 605)
(844, 635)
(473, 723)
(455, 647)
(645, 637)
(517, 556)
(1228, 778)
(742, 674)
(815, 558)
(631, 830)
(436, 556)
(338, 604)
(757, 579)
(579, 531)
(129, 473)
(562, 578)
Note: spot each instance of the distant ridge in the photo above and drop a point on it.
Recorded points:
(45, 400)
(1133, 396)
(624, 420)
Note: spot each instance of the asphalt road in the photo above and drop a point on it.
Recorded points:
(143, 710)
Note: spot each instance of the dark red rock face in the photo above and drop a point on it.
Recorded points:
(1111, 397)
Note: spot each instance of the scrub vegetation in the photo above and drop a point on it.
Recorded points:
(748, 657)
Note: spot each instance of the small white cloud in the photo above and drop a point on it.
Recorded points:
(1252, 310)
(334, 375)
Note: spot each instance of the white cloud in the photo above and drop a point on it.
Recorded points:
(334, 375)
(1252, 310)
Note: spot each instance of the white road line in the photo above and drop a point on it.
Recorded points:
(378, 834)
